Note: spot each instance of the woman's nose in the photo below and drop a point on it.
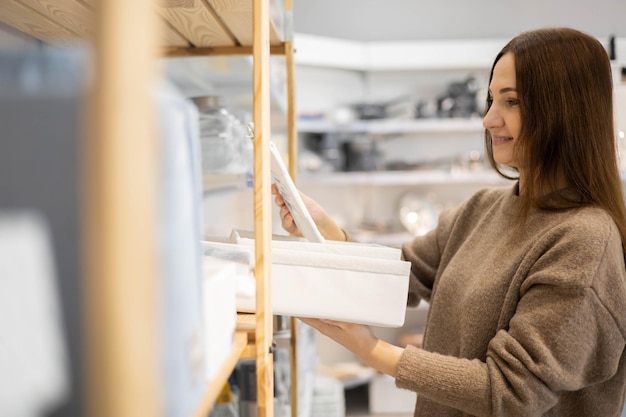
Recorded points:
(492, 119)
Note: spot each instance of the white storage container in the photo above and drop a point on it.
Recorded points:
(386, 398)
(366, 250)
(219, 312)
(336, 282)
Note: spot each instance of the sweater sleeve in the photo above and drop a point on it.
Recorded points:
(567, 333)
(424, 254)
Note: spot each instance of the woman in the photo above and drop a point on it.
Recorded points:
(526, 284)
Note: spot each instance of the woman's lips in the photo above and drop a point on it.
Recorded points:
(499, 140)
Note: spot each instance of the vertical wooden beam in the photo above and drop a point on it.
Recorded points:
(119, 191)
(292, 139)
(262, 210)
(292, 149)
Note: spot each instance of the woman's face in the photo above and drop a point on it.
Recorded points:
(503, 119)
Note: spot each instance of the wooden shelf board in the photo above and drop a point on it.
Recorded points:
(189, 51)
(242, 349)
(25, 19)
(188, 28)
(246, 322)
(214, 388)
(198, 24)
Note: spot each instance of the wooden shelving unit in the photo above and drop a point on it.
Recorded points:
(246, 326)
(120, 178)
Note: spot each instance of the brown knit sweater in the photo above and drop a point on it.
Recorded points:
(523, 321)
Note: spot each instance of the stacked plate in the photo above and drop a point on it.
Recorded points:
(328, 398)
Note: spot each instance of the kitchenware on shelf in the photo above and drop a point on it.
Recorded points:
(361, 154)
(281, 325)
(224, 146)
(459, 100)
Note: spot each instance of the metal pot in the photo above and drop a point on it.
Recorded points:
(281, 325)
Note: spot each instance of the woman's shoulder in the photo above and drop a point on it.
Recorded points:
(587, 222)
(586, 235)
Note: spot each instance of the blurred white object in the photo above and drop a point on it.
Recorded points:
(33, 357)
(293, 200)
(386, 398)
(180, 228)
(328, 397)
(220, 311)
(417, 214)
(219, 256)
(619, 109)
(616, 71)
(225, 147)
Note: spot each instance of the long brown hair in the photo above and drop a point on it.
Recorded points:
(565, 95)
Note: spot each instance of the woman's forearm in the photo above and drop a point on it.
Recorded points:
(384, 357)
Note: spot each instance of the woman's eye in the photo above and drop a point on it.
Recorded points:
(512, 102)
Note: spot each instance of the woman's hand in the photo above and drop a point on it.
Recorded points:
(359, 339)
(327, 227)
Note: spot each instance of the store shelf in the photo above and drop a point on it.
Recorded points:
(389, 178)
(220, 182)
(471, 54)
(240, 343)
(393, 126)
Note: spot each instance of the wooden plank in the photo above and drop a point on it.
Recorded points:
(26, 20)
(170, 38)
(217, 50)
(246, 322)
(262, 210)
(240, 342)
(292, 148)
(249, 352)
(292, 139)
(293, 363)
(123, 376)
(177, 3)
(197, 24)
(237, 16)
(73, 15)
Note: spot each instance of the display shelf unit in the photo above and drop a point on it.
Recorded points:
(393, 126)
(218, 182)
(119, 177)
(428, 129)
(390, 178)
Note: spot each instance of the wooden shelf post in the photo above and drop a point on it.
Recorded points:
(119, 175)
(262, 210)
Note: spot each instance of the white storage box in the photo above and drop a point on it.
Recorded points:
(310, 281)
(219, 312)
(386, 398)
(366, 250)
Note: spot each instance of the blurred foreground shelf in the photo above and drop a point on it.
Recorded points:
(242, 348)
